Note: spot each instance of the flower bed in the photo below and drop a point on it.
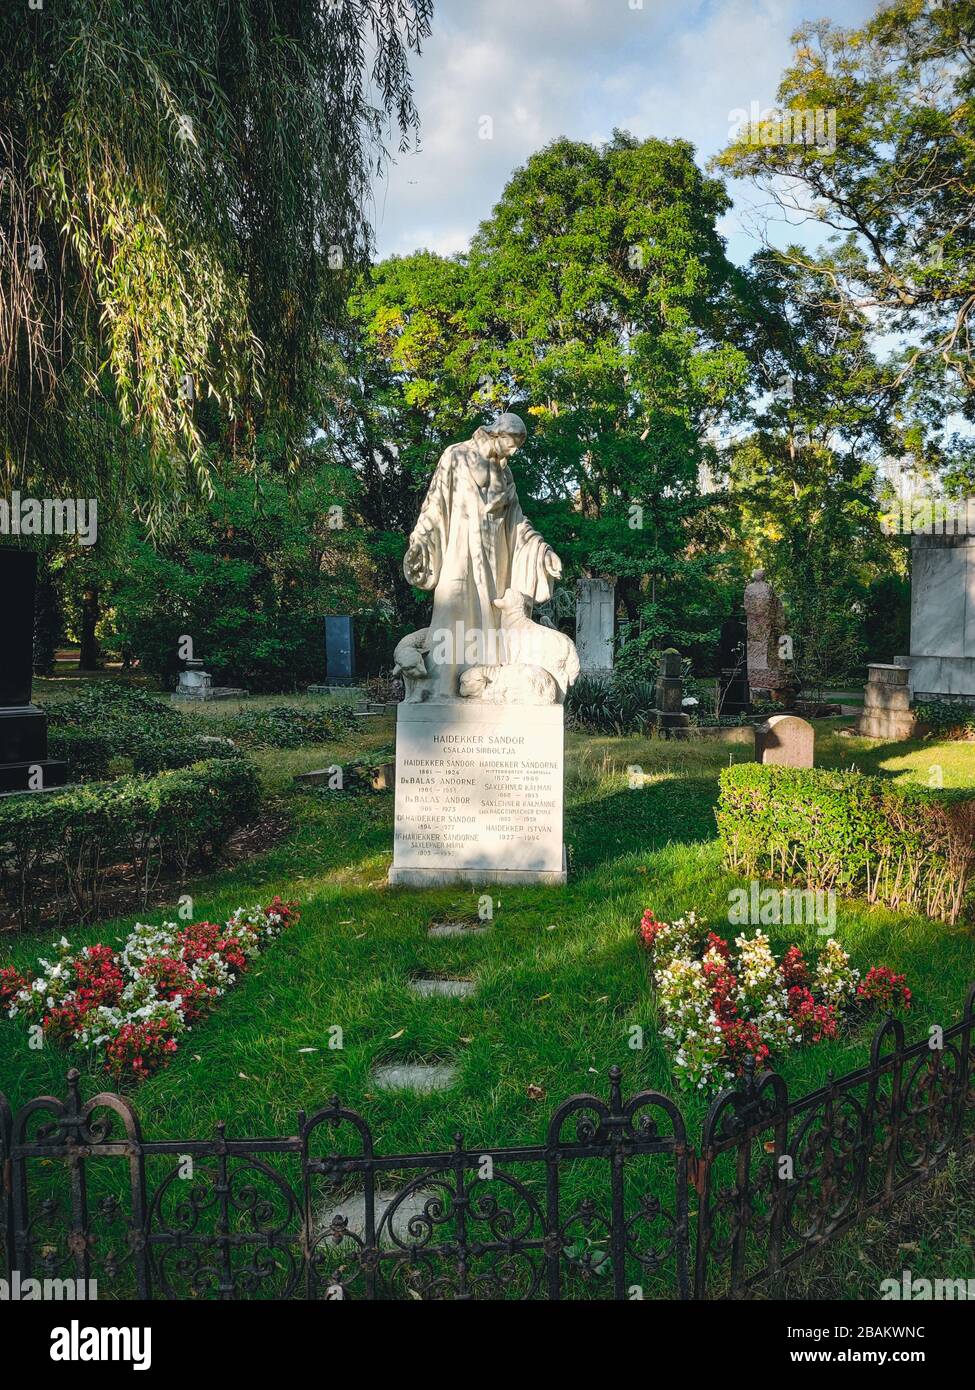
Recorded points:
(722, 1004)
(129, 1008)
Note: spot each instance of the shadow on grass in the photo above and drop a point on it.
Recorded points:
(623, 821)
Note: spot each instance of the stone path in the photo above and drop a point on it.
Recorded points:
(353, 1211)
(423, 1077)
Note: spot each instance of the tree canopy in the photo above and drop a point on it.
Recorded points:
(182, 186)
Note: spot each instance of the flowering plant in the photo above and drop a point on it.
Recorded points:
(885, 989)
(722, 1005)
(130, 1007)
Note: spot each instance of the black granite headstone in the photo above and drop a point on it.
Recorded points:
(733, 666)
(24, 764)
(18, 583)
(339, 650)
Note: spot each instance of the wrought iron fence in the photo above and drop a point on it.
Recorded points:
(613, 1203)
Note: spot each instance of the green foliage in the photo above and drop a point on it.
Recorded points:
(596, 299)
(249, 580)
(194, 173)
(900, 846)
(112, 728)
(895, 185)
(618, 705)
(284, 726)
(887, 618)
(947, 718)
(73, 837)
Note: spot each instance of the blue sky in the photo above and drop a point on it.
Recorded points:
(544, 68)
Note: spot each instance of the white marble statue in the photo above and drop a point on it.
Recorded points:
(408, 662)
(524, 642)
(472, 545)
(509, 685)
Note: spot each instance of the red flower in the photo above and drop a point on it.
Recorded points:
(724, 987)
(793, 968)
(140, 1048)
(172, 979)
(11, 983)
(649, 927)
(288, 912)
(742, 1040)
(814, 1021)
(884, 989)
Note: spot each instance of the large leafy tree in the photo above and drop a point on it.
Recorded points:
(802, 485)
(895, 188)
(603, 286)
(597, 300)
(181, 190)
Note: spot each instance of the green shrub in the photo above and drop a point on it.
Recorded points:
(71, 837)
(620, 703)
(113, 728)
(901, 846)
(947, 718)
(94, 753)
(610, 705)
(285, 726)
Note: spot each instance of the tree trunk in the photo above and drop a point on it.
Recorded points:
(88, 660)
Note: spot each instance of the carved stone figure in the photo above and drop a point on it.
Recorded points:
(765, 616)
(509, 685)
(471, 545)
(528, 642)
(408, 657)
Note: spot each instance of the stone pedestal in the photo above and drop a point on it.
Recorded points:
(669, 716)
(197, 684)
(24, 764)
(595, 625)
(787, 740)
(478, 794)
(886, 703)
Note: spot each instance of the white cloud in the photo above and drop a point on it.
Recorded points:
(576, 68)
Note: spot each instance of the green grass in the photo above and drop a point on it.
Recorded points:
(560, 978)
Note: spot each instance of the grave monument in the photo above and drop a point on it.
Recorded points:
(24, 764)
(769, 676)
(595, 625)
(942, 659)
(480, 734)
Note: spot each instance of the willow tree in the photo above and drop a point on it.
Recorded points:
(182, 189)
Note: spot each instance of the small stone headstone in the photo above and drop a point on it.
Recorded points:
(787, 740)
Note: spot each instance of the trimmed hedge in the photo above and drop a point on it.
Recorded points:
(73, 836)
(111, 728)
(902, 846)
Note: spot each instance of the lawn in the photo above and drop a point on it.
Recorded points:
(560, 980)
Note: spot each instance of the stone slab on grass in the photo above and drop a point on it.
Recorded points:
(419, 1077)
(352, 1211)
(458, 929)
(431, 987)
